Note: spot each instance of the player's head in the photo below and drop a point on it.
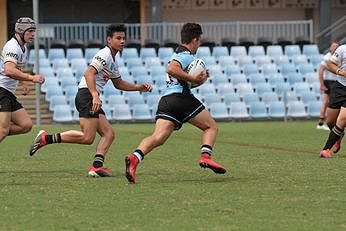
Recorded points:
(190, 31)
(116, 36)
(333, 46)
(23, 25)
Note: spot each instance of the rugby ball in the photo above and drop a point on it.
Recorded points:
(195, 68)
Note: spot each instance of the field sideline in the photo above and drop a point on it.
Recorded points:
(275, 181)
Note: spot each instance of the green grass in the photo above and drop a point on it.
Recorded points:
(275, 181)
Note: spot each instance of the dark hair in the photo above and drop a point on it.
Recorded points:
(115, 28)
(190, 31)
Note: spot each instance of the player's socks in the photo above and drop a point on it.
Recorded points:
(139, 154)
(335, 134)
(54, 138)
(206, 149)
(98, 161)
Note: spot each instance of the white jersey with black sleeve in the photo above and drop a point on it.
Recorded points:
(106, 66)
(339, 58)
(12, 52)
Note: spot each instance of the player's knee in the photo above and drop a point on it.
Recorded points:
(88, 140)
(26, 127)
(110, 135)
(159, 140)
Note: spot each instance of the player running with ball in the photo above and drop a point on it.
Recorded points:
(178, 105)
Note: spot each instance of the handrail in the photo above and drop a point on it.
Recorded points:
(327, 31)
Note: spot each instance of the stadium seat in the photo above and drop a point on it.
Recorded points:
(261, 88)
(292, 50)
(258, 110)
(311, 77)
(122, 112)
(219, 51)
(56, 53)
(94, 43)
(305, 68)
(90, 52)
(147, 52)
(47, 72)
(256, 50)
(265, 42)
(170, 43)
(141, 112)
(250, 97)
(74, 53)
(308, 96)
(208, 42)
(223, 61)
(57, 100)
(269, 69)
(238, 110)
(238, 78)
(152, 101)
(150, 62)
(231, 69)
(152, 43)
(296, 109)
(275, 79)
(262, 60)
(114, 100)
(217, 79)
(76, 43)
(209, 61)
(60, 63)
(206, 88)
(138, 70)
(238, 51)
(219, 110)
(62, 113)
(310, 50)
(282, 88)
(142, 78)
(50, 82)
(32, 55)
(214, 69)
(299, 59)
(301, 87)
(256, 78)
(288, 69)
(67, 81)
(228, 42)
(268, 97)
(294, 77)
(64, 72)
(129, 53)
(164, 52)
(70, 92)
(53, 91)
(246, 42)
(243, 88)
(313, 108)
(210, 98)
(250, 69)
(245, 60)
(276, 109)
(274, 50)
(224, 88)
(133, 99)
(281, 60)
(230, 97)
(132, 43)
(203, 51)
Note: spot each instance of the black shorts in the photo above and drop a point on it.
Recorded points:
(337, 97)
(8, 101)
(84, 102)
(178, 108)
(329, 85)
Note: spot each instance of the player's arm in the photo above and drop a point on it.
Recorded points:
(90, 76)
(13, 72)
(333, 67)
(121, 84)
(174, 69)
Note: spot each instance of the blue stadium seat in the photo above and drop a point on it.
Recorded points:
(294, 77)
(147, 52)
(238, 51)
(275, 79)
(133, 62)
(56, 53)
(224, 61)
(57, 100)
(282, 88)
(256, 78)
(238, 78)
(268, 69)
(122, 112)
(67, 82)
(141, 112)
(238, 110)
(74, 53)
(231, 69)
(203, 51)
(230, 97)
(258, 110)
(50, 82)
(296, 109)
(276, 109)
(308, 96)
(62, 113)
(211, 98)
(292, 50)
(60, 63)
(219, 51)
(165, 52)
(145, 78)
(274, 50)
(206, 88)
(224, 88)
(243, 88)
(250, 69)
(281, 60)
(129, 52)
(90, 53)
(133, 99)
(313, 108)
(152, 101)
(288, 69)
(299, 59)
(114, 100)
(268, 97)
(256, 50)
(250, 97)
(151, 62)
(138, 70)
(261, 88)
(219, 79)
(310, 50)
(219, 110)
(301, 87)
(53, 91)
(245, 60)
(32, 55)
(305, 68)
(262, 60)
(214, 69)
(47, 72)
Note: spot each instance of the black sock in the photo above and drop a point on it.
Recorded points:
(321, 121)
(207, 149)
(334, 135)
(98, 161)
(54, 138)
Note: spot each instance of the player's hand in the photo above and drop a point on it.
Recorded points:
(201, 78)
(26, 88)
(323, 88)
(146, 87)
(38, 79)
(97, 104)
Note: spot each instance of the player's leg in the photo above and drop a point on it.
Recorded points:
(207, 124)
(107, 136)
(5, 118)
(336, 133)
(20, 122)
(323, 109)
(85, 136)
(163, 129)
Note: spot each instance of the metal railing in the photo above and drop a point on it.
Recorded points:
(162, 31)
(333, 32)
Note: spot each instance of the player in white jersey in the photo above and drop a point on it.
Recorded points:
(102, 68)
(327, 80)
(178, 105)
(337, 65)
(13, 117)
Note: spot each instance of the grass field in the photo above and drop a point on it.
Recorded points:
(275, 181)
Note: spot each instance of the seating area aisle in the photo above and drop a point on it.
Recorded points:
(246, 83)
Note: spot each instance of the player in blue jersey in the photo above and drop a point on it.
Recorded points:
(337, 65)
(178, 105)
(102, 68)
(13, 117)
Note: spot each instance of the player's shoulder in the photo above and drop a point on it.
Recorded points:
(11, 44)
